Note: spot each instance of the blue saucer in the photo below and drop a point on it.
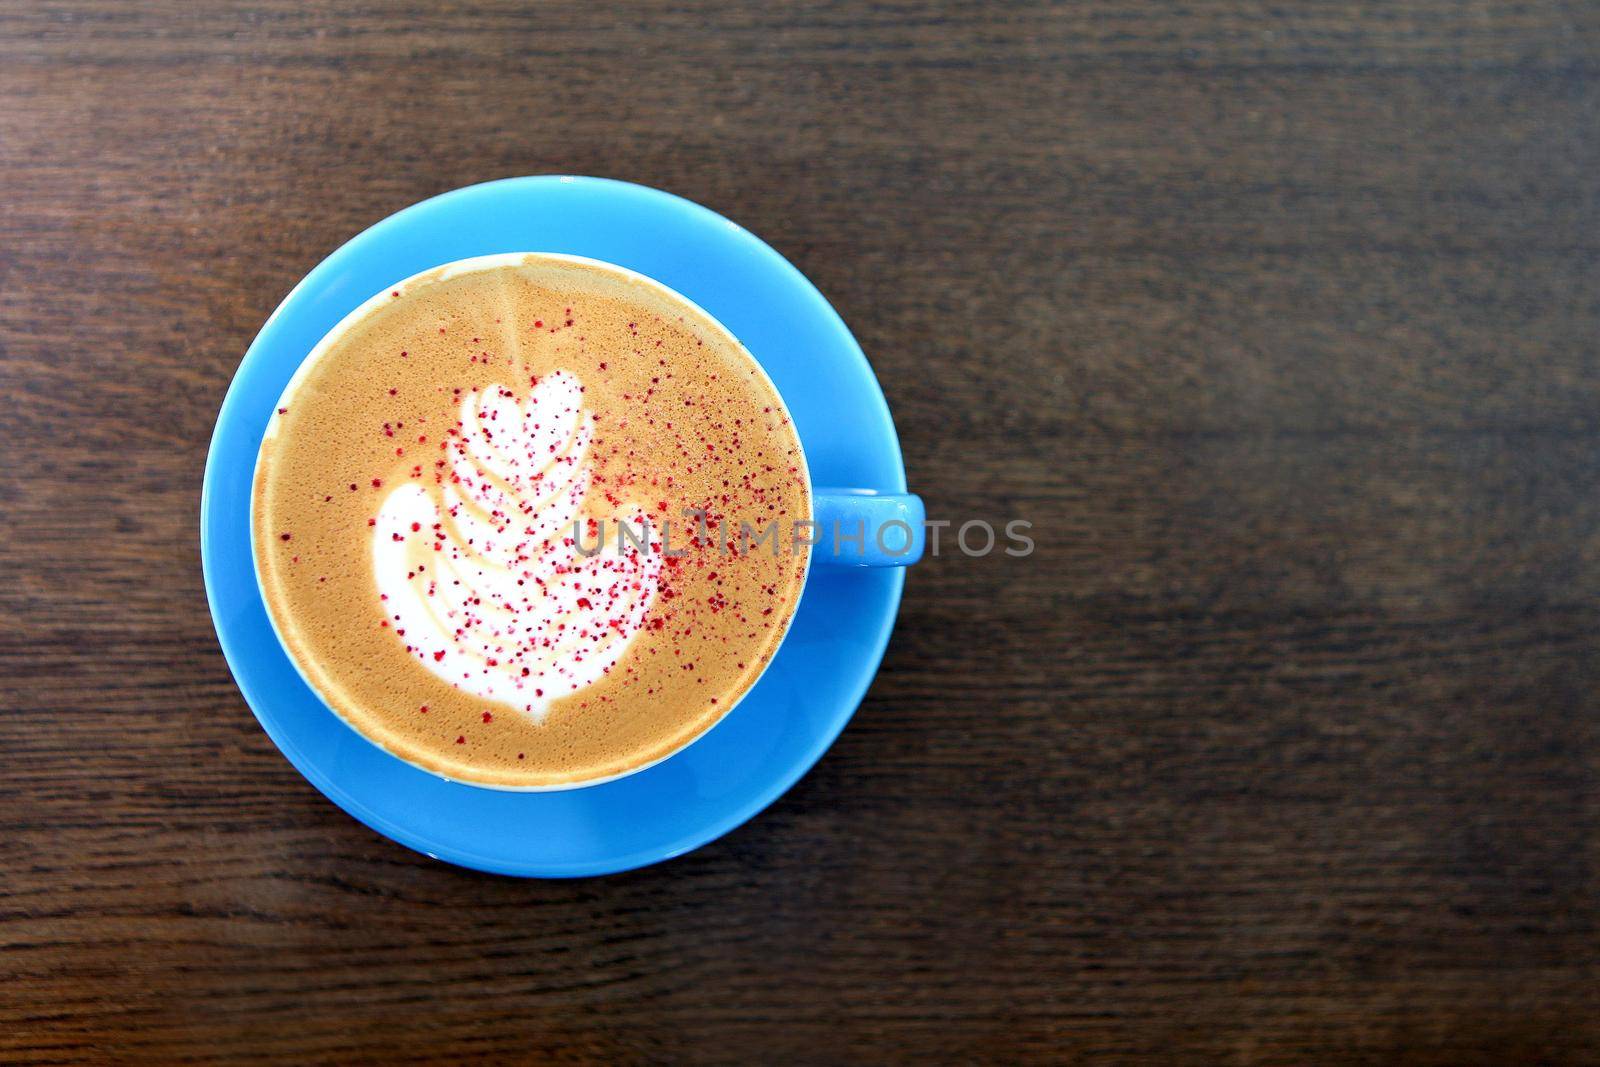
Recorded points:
(814, 683)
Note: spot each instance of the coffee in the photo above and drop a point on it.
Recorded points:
(497, 521)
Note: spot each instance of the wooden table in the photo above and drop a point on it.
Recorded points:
(1278, 323)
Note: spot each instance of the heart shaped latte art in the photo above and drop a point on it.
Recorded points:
(481, 577)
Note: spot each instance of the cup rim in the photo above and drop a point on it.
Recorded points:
(443, 272)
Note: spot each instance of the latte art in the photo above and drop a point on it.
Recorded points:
(481, 577)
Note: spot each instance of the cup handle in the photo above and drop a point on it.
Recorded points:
(866, 528)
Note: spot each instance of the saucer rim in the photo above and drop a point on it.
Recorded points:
(870, 658)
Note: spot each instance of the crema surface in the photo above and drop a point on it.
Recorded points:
(437, 510)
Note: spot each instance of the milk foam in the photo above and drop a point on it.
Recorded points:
(480, 576)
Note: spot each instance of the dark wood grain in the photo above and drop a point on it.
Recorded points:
(1279, 323)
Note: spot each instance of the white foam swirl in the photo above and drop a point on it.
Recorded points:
(483, 580)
